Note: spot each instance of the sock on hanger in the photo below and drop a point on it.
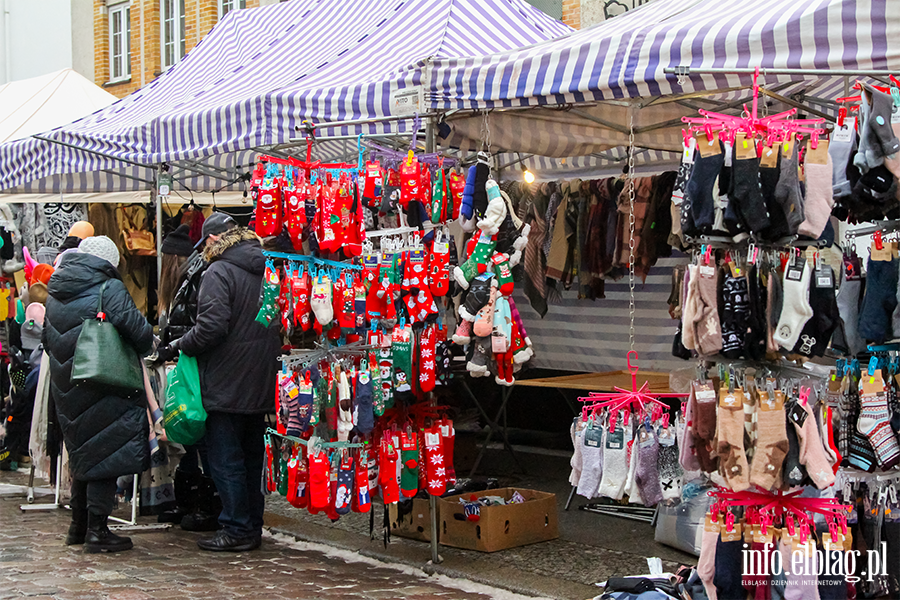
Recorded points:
(730, 436)
(772, 443)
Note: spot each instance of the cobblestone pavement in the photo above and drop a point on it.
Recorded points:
(35, 563)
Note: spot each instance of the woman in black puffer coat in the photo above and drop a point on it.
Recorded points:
(105, 429)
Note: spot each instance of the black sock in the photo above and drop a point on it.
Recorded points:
(747, 194)
(727, 578)
(700, 189)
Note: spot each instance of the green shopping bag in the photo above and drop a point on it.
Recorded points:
(184, 417)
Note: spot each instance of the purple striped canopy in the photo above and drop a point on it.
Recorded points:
(257, 75)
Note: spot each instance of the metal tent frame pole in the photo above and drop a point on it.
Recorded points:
(688, 71)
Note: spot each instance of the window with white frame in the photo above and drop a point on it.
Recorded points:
(119, 42)
(171, 19)
(226, 6)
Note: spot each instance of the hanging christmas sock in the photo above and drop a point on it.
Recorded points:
(420, 305)
(387, 471)
(481, 357)
(477, 263)
(477, 297)
(409, 455)
(443, 362)
(268, 309)
(501, 332)
(386, 367)
(283, 459)
(504, 275)
(289, 393)
(410, 176)
(345, 408)
(321, 301)
(438, 267)
(319, 483)
(304, 403)
(329, 219)
(295, 211)
(463, 333)
(302, 312)
(359, 306)
(401, 350)
(372, 185)
(448, 439)
(375, 379)
(526, 354)
(347, 316)
(270, 466)
(364, 400)
(484, 321)
(427, 347)
(346, 488)
(435, 469)
(521, 352)
(457, 184)
(297, 479)
(362, 502)
(268, 204)
(438, 199)
(334, 469)
(285, 301)
(874, 421)
(372, 471)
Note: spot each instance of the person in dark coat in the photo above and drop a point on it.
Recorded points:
(237, 360)
(105, 429)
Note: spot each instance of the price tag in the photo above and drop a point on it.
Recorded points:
(666, 436)
(769, 157)
(728, 399)
(705, 394)
(825, 278)
(707, 271)
(708, 146)
(844, 134)
(432, 439)
(593, 437)
(794, 273)
(819, 154)
(895, 114)
(689, 150)
(615, 440)
(796, 414)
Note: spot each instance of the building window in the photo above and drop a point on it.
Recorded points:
(172, 26)
(226, 6)
(119, 42)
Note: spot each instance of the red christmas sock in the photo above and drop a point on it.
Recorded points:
(410, 176)
(328, 220)
(830, 440)
(457, 185)
(361, 500)
(268, 204)
(436, 472)
(295, 210)
(347, 317)
(426, 358)
(285, 300)
(438, 268)
(387, 471)
(297, 479)
(448, 437)
(420, 305)
(270, 467)
(319, 483)
(302, 312)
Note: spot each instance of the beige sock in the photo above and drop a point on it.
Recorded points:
(772, 444)
(730, 434)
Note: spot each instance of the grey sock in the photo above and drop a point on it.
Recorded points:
(647, 474)
(848, 308)
(865, 140)
(880, 123)
(591, 470)
(787, 191)
(840, 157)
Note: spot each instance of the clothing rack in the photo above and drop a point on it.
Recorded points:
(887, 226)
(306, 357)
(311, 259)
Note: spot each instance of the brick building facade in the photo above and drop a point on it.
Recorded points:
(136, 40)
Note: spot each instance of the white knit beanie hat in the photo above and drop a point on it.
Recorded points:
(101, 247)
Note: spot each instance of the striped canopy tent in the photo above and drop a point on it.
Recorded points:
(254, 78)
(591, 83)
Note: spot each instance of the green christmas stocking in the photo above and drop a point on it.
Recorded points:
(268, 297)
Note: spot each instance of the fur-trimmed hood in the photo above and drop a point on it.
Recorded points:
(239, 246)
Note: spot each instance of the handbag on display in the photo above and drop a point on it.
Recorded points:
(102, 357)
(137, 241)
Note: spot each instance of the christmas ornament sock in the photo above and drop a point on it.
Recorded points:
(874, 422)
(812, 454)
(730, 440)
(268, 204)
(271, 288)
(436, 471)
(302, 310)
(647, 474)
(319, 469)
(484, 321)
(478, 295)
(321, 301)
(503, 274)
(667, 465)
(409, 455)
(345, 487)
(772, 443)
(796, 310)
(477, 262)
(401, 351)
(427, 347)
(615, 465)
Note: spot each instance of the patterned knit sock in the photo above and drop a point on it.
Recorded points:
(647, 474)
(730, 436)
(772, 446)
(667, 464)
(874, 422)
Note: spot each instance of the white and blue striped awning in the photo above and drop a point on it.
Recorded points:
(626, 57)
(257, 75)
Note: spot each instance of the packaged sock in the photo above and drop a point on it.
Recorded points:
(615, 468)
(591, 460)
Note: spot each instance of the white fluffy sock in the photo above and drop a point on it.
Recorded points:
(576, 462)
(591, 469)
(320, 301)
(796, 310)
(615, 467)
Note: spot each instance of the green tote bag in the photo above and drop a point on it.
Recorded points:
(102, 357)
(184, 417)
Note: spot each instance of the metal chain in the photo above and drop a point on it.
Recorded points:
(486, 139)
(630, 184)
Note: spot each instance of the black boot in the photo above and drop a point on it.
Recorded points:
(206, 510)
(186, 485)
(100, 539)
(78, 528)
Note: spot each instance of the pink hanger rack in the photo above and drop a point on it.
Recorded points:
(622, 399)
(774, 128)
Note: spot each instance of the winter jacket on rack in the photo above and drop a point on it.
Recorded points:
(236, 355)
(105, 431)
(182, 314)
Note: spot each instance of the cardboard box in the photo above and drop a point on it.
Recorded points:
(415, 525)
(500, 527)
